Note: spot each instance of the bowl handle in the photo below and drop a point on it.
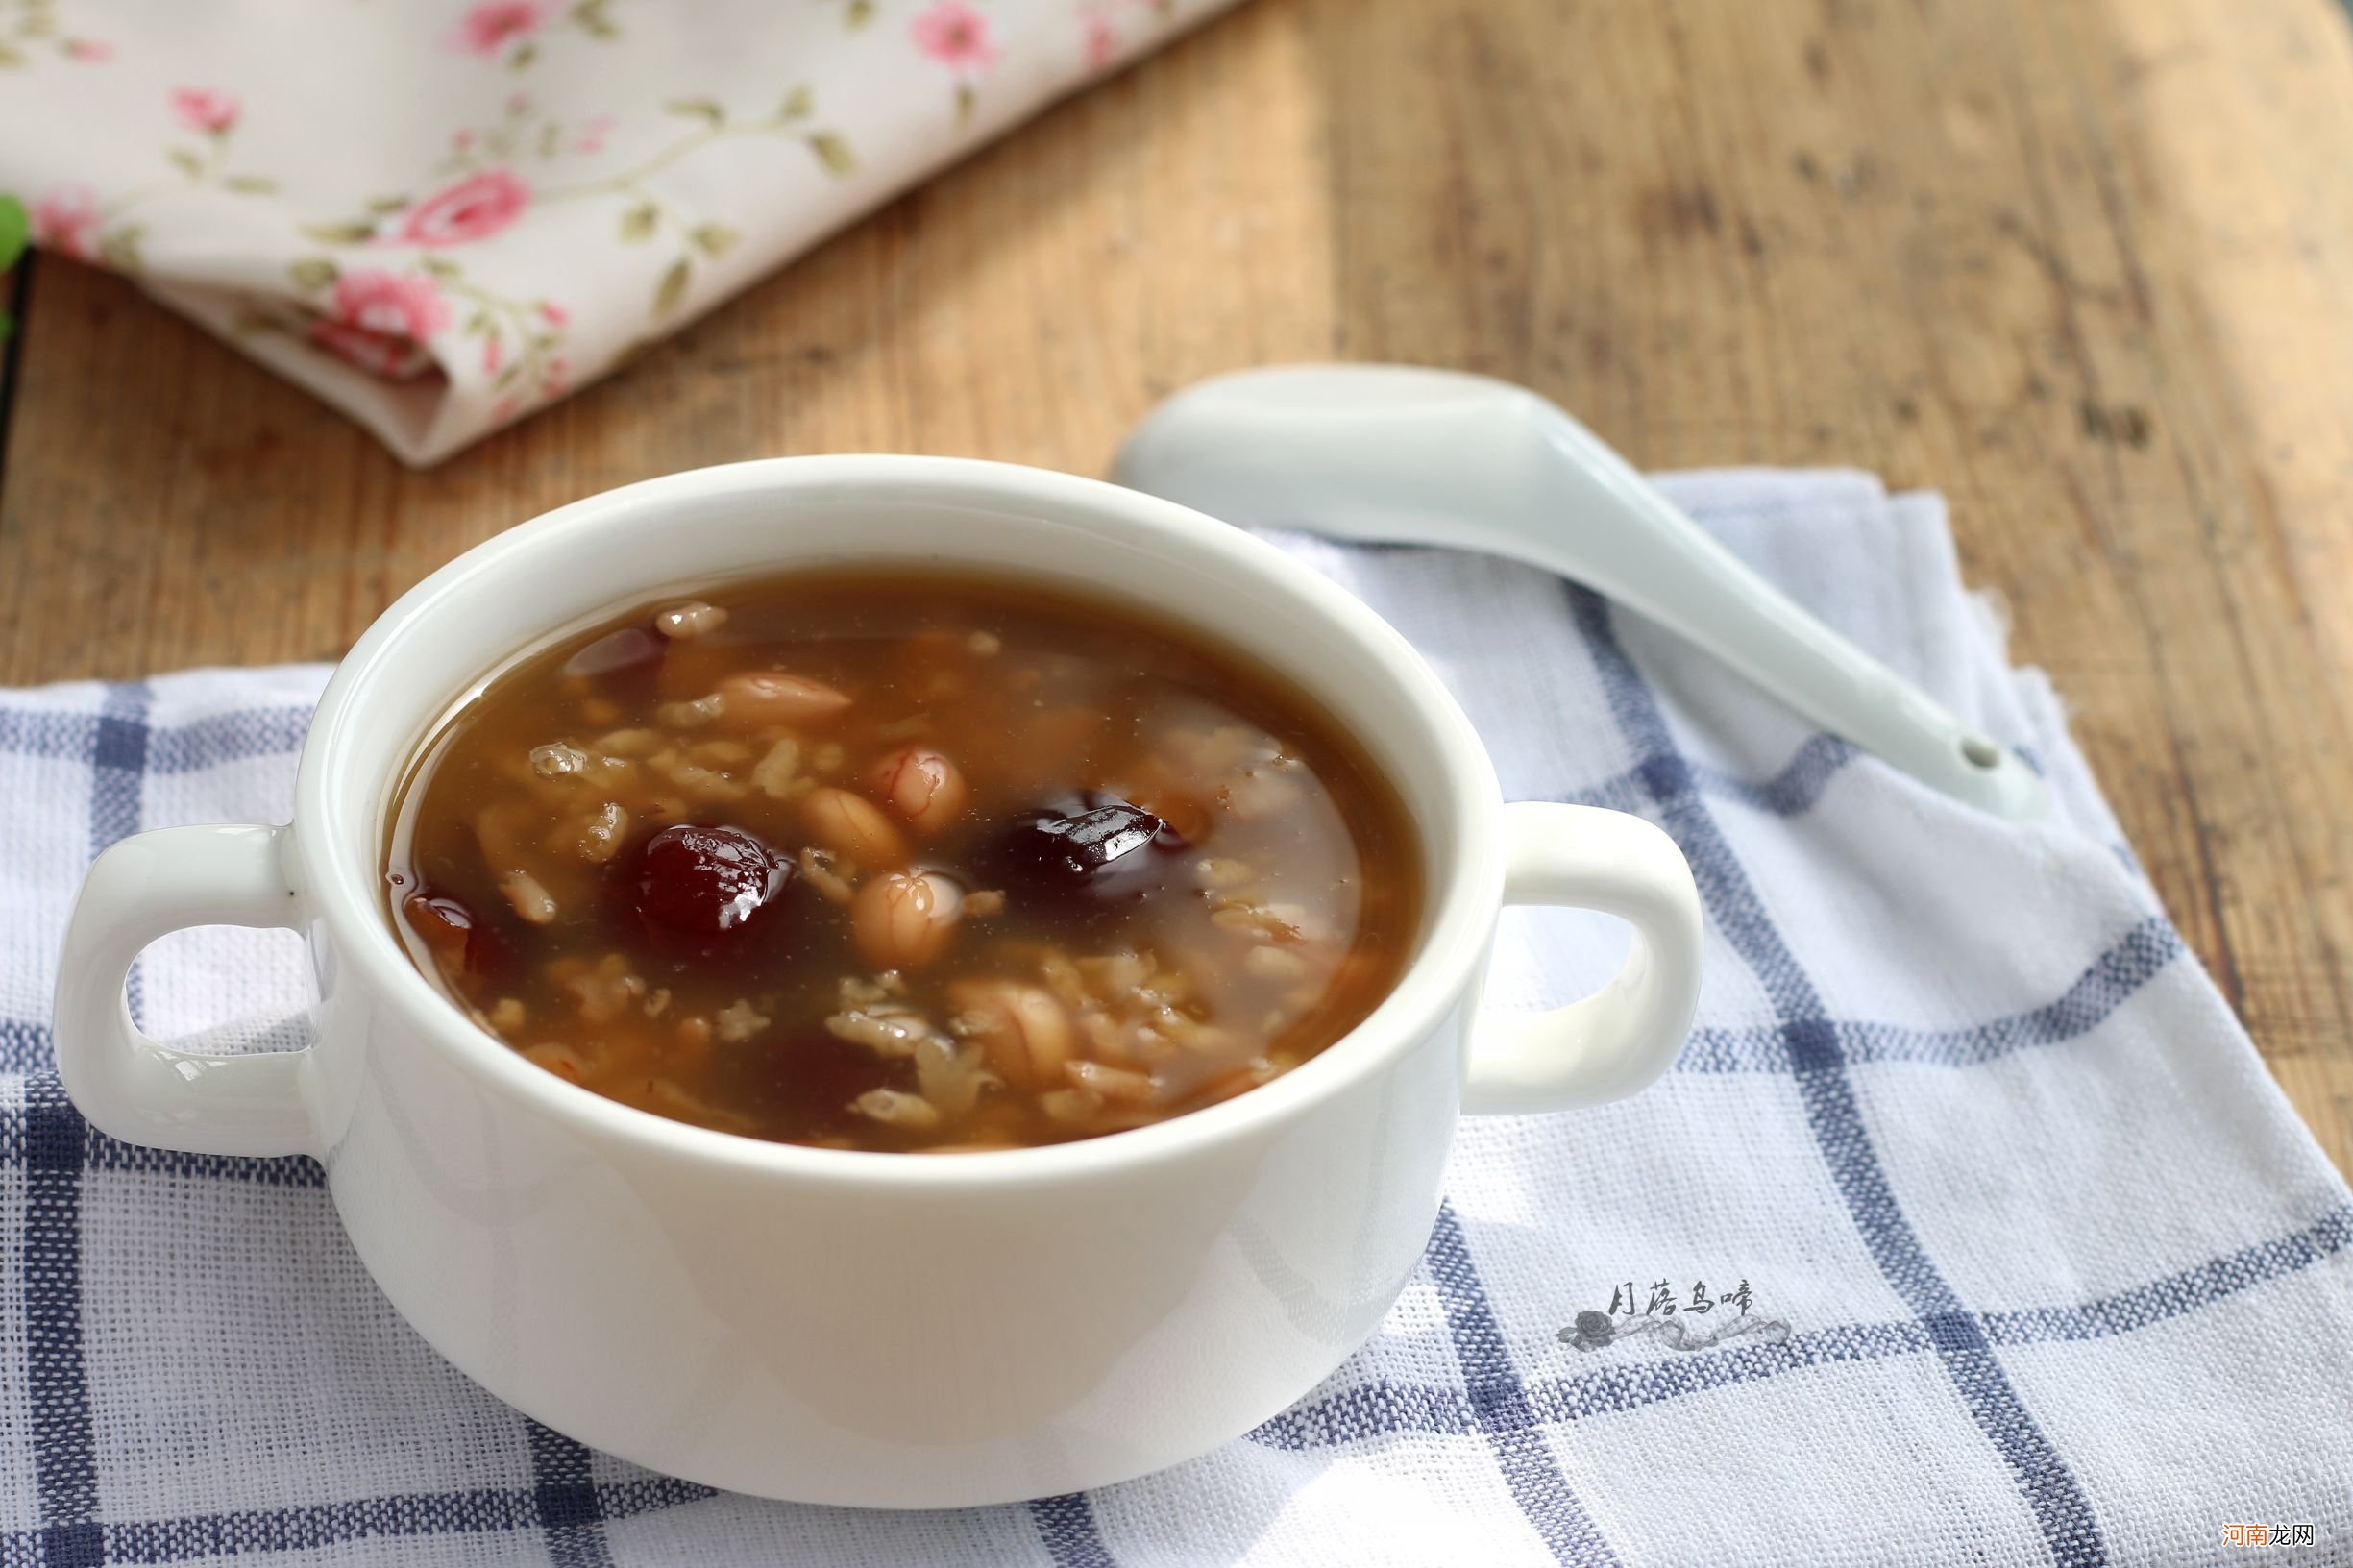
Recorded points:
(129, 1085)
(1625, 1034)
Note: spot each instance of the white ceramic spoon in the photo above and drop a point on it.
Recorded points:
(1407, 456)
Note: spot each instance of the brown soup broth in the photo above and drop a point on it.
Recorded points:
(896, 862)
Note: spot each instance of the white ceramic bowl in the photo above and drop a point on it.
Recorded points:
(854, 1328)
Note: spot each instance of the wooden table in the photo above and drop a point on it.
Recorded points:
(2084, 265)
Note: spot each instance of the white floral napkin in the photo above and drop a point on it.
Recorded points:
(440, 217)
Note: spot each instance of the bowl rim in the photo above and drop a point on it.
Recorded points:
(1463, 892)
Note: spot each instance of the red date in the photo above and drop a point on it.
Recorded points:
(1084, 854)
(707, 881)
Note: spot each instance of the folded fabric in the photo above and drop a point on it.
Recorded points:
(1969, 1228)
(440, 217)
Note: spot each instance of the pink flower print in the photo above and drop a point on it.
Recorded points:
(476, 208)
(1101, 41)
(66, 220)
(206, 109)
(380, 322)
(554, 314)
(394, 358)
(488, 27)
(387, 301)
(593, 131)
(89, 51)
(494, 354)
(956, 36)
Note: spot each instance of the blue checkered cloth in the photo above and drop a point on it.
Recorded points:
(1985, 1233)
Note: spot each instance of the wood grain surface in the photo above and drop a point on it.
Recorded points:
(2084, 265)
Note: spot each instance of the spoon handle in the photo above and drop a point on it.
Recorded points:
(1407, 456)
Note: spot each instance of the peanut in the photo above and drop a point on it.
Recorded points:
(759, 699)
(923, 786)
(851, 825)
(1023, 1028)
(902, 920)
